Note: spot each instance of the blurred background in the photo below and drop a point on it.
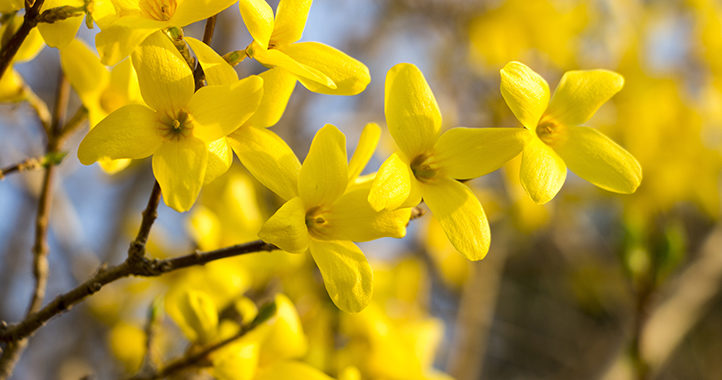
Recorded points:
(591, 285)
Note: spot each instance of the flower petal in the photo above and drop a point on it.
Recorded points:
(220, 158)
(196, 313)
(268, 158)
(461, 216)
(59, 33)
(525, 92)
(412, 115)
(349, 75)
(190, 11)
(84, 71)
(286, 228)
(291, 18)
(346, 273)
(166, 82)
(219, 110)
(119, 39)
(278, 84)
(283, 370)
(180, 167)
(129, 132)
(277, 58)
(215, 68)
(599, 160)
(580, 94)
(465, 153)
(543, 172)
(258, 17)
(352, 218)
(392, 184)
(324, 173)
(364, 150)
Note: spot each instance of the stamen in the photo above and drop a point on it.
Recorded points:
(423, 168)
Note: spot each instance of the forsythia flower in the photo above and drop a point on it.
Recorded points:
(101, 91)
(325, 215)
(319, 67)
(177, 126)
(556, 139)
(426, 164)
(137, 20)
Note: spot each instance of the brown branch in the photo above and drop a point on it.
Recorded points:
(208, 31)
(194, 358)
(72, 125)
(11, 48)
(40, 245)
(132, 266)
(29, 164)
(137, 246)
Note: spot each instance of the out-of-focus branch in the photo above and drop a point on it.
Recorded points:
(197, 357)
(674, 316)
(31, 163)
(13, 350)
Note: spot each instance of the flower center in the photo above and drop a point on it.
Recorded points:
(549, 131)
(316, 221)
(178, 127)
(423, 168)
(161, 10)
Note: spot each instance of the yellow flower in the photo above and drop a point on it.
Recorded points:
(556, 139)
(323, 215)
(426, 164)
(101, 91)
(319, 67)
(177, 126)
(137, 20)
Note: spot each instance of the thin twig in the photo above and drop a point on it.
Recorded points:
(29, 164)
(140, 267)
(199, 356)
(137, 246)
(208, 31)
(72, 125)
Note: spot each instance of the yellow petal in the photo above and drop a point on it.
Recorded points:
(352, 218)
(542, 171)
(236, 361)
(113, 166)
(215, 68)
(349, 75)
(465, 153)
(10, 6)
(180, 167)
(165, 79)
(461, 216)
(277, 58)
(258, 17)
(31, 46)
(268, 158)
(412, 115)
(596, 158)
(195, 313)
(392, 184)
(129, 132)
(278, 84)
(220, 158)
(525, 92)
(11, 87)
(364, 150)
(346, 273)
(290, 21)
(286, 228)
(217, 111)
(324, 173)
(190, 11)
(119, 39)
(84, 71)
(580, 93)
(284, 370)
(58, 34)
(284, 338)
